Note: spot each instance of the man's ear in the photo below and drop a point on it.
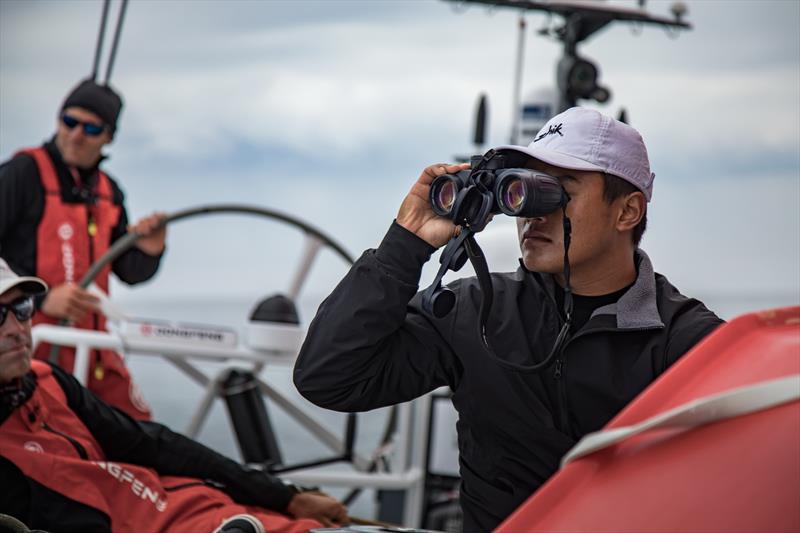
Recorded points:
(632, 209)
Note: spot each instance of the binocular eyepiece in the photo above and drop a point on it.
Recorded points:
(470, 197)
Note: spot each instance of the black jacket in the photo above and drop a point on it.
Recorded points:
(22, 206)
(371, 345)
(125, 440)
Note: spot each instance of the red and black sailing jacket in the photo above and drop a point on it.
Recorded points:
(140, 475)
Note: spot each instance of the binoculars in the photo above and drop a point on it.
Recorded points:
(494, 184)
(470, 197)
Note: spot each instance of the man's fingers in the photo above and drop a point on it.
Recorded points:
(444, 168)
(76, 313)
(148, 224)
(86, 304)
(83, 306)
(152, 222)
(433, 171)
(80, 303)
(143, 227)
(86, 297)
(338, 512)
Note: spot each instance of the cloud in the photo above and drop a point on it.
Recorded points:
(329, 110)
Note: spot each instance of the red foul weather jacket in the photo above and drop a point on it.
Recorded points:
(70, 462)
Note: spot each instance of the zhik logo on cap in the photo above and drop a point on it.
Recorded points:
(552, 130)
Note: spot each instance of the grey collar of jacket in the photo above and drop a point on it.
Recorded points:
(637, 308)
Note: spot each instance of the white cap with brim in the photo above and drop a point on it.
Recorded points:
(585, 139)
(29, 285)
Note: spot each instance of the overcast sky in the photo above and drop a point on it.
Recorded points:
(328, 111)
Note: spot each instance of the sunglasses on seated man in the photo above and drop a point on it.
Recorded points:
(22, 308)
(89, 128)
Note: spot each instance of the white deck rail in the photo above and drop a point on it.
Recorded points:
(409, 439)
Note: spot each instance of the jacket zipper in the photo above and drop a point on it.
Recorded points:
(90, 222)
(558, 375)
(77, 445)
(561, 384)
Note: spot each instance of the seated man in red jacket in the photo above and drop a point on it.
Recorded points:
(70, 462)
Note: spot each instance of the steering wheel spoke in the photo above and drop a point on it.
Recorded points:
(313, 245)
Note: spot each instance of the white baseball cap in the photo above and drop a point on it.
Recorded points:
(585, 139)
(30, 285)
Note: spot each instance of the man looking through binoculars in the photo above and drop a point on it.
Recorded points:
(375, 343)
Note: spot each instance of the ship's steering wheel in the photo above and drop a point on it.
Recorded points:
(315, 240)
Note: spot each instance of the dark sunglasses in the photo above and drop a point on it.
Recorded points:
(89, 128)
(22, 308)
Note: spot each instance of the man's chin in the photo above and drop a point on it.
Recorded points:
(73, 161)
(544, 265)
(14, 364)
(76, 157)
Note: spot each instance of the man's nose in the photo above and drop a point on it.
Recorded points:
(76, 133)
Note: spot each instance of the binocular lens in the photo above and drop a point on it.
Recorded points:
(471, 196)
(513, 195)
(527, 193)
(445, 196)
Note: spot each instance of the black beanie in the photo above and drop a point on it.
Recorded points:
(99, 99)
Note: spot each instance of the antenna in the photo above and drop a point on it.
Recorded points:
(479, 137)
(100, 36)
(480, 123)
(517, 81)
(117, 33)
